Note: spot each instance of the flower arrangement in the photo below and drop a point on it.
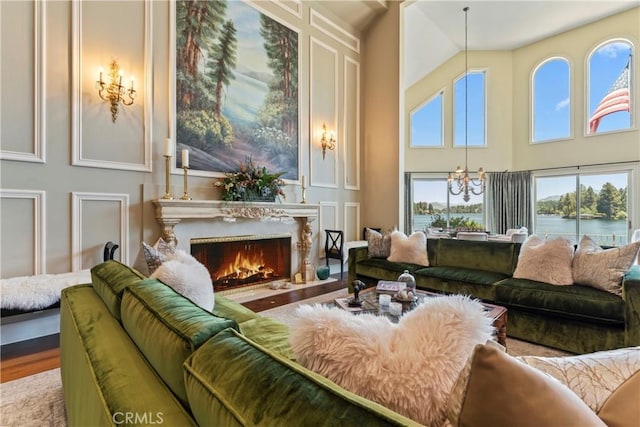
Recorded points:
(251, 183)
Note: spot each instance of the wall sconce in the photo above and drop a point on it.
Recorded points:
(113, 91)
(327, 143)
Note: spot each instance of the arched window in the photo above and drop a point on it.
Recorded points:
(609, 87)
(476, 110)
(551, 98)
(426, 123)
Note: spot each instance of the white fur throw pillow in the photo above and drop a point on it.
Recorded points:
(546, 261)
(412, 249)
(188, 277)
(408, 367)
(600, 268)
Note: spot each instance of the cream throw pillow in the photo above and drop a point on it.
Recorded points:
(495, 389)
(408, 367)
(603, 268)
(546, 261)
(412, 249)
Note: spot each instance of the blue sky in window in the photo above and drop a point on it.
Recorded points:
(475, 110)
(551, 102)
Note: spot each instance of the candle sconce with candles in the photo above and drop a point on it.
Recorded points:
(113, 91)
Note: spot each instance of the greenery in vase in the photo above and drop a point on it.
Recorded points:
(251, 183)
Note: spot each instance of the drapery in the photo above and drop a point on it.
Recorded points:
(509, 201)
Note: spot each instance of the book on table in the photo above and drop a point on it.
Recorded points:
(390, 287)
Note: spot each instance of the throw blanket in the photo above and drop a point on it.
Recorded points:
(38, 292)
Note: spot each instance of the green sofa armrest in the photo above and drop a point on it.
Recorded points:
(355, 255)
(631, 296)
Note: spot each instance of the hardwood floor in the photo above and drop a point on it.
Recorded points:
(30, 357)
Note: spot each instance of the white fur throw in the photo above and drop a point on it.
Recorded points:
(188, 277)
(37, 292)
(546, 261)
(409, 367)
(412, 249)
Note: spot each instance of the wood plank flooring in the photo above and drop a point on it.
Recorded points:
(30, 357)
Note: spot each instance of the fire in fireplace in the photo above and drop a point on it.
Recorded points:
(237, 261)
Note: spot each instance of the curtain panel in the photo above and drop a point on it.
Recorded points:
(509, 201)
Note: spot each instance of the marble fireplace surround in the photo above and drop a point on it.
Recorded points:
(183, 220)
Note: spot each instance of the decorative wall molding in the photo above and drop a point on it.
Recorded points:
(292, 6)
(39, 224)
(39, 120)
(351, 126)
(350, 234)
(78, 157)
(333, 30)
(315, 117)
(77, 199)
(327, 222)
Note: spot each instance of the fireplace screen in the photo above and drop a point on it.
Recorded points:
(244, 260)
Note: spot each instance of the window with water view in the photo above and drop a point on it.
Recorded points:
(600, 199)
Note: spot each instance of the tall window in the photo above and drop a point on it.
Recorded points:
(609, 91)
(426, 123)
(551, 110)
(600, 199)
(476, 110)
(433, 206)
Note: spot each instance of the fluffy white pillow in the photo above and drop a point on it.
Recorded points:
(412, 249)
(188, 277)
(408, 367)
(600, 268)
(546, 261)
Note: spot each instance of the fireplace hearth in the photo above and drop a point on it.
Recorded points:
(239, 261)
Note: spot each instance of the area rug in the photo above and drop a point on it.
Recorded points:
(35, 400)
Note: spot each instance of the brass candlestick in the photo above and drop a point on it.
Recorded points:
(185, 196)
(304, 194)
(167, 192)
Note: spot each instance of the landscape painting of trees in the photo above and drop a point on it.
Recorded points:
(236, 88)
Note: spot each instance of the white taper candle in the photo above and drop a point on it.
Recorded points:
(185, 158)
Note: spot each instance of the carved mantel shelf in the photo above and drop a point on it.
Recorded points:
(169, 213)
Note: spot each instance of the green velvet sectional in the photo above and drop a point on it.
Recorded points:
(135, 352)
(575, 318)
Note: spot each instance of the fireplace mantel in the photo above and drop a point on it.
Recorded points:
(170, 213)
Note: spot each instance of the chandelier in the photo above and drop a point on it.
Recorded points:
(460, 182)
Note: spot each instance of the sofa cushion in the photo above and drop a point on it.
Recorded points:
(382, 269)
(476, 277)
(269, 333)
(409, 249)
(600, 268)
(379, 244)
(546, 261)
(167, 328)
(498, 389)
(578, 302)
(476, 255)
(230, 309)
(236, 382)
(109, 280)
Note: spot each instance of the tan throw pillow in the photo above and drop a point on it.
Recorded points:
(151, 257)
(412, 249)
(602, 380)
(379, 245)
(546, 261)
(603, 268)
(406, 367)
(498, 389)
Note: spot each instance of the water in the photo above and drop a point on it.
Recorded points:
(602, 231)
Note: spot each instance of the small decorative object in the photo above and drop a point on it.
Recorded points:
(304, 191)
(322, 272)
(408, 278)
(185, 167)
(357, 285)
(395, 308)
(251, 183)
(297, 278)
(384, 300)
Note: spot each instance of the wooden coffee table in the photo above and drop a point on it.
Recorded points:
(371, 304)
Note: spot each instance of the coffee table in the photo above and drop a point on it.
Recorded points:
(371, 304)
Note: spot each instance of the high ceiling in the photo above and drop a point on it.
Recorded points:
(434, 30)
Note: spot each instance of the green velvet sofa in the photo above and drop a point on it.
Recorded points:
(135, 352)
(575, 318)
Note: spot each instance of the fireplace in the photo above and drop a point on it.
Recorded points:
(240, 261)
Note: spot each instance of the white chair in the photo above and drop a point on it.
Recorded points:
(471, 235)
(435, 233)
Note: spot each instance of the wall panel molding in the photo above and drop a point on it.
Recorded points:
(316, 118)
(39, 224)
(292, 6)
(79, 158)
(351, 126)
(333, 30)
(351, 216)
(39, 152)
(77, 221)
